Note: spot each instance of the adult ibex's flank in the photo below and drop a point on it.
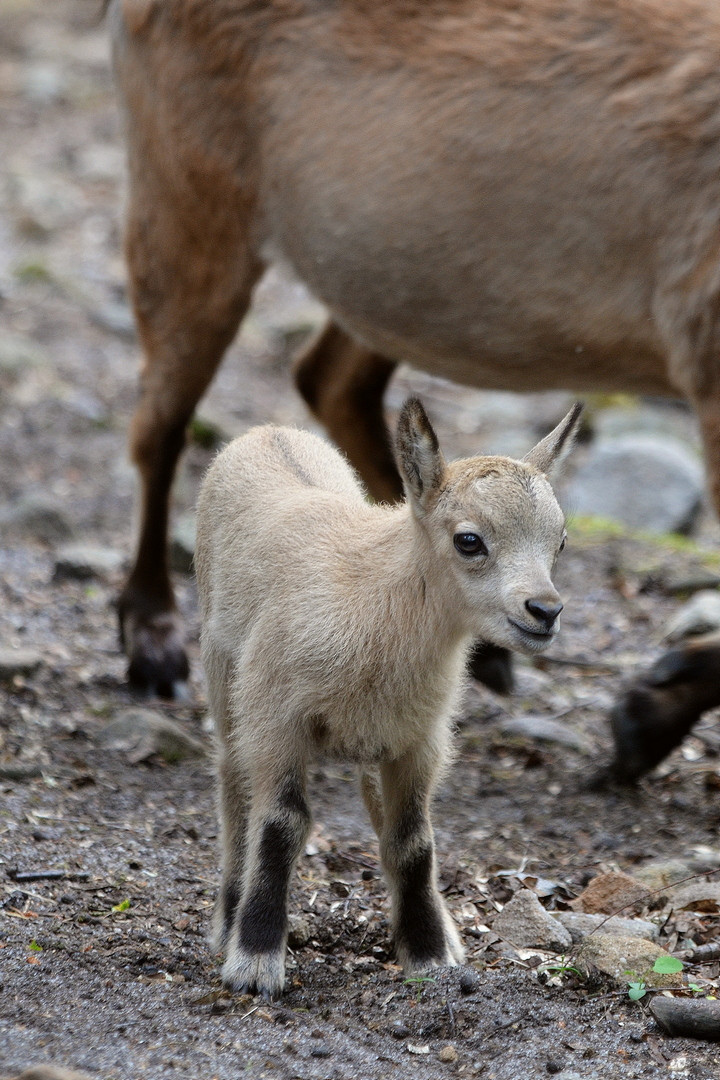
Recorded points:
(514, 195)
(335, 626)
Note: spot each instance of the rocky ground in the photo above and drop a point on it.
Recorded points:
(108, 836)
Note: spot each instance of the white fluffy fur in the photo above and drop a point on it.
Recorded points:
(333, 625)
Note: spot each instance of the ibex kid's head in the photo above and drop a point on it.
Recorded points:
(494, 527)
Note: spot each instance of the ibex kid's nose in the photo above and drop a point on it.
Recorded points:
(544, 613)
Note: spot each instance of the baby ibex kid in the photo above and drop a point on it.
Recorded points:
(333, 625)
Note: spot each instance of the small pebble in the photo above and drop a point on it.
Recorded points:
(448, 1053)
(469, 982)
(399, 1031)
(321, 1051)
(553, 1066)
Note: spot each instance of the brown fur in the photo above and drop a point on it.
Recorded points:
(514, 195)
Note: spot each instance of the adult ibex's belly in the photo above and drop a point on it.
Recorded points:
(490, 246)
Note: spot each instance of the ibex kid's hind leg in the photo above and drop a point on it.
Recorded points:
(277, 829)
(233, 797)
(425, 935)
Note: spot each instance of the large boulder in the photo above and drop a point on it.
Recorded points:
(642, 481)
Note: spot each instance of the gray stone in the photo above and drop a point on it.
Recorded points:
(299, 932)
(182, 544)
(18, 662)
(38, 516)
(642, 481)
(538, 727)
(83, 404)
(115, 317)
(142, 733)
(581, 926)
(701, 615)
(660, 873)
(637, 418)
(82, 561)
(526, 924)
(697, 896)
(19, 771)
(689, 580)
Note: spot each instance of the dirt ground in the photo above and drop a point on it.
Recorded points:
(107, 968)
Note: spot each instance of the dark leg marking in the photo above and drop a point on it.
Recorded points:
(229, 901)
(291, 796)
(420, 925)
(264, 917)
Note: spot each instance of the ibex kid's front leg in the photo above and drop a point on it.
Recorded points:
(425, 935)
(278, 826)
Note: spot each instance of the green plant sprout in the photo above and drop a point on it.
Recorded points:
(559, 968)
(419, 981)
(664, 965)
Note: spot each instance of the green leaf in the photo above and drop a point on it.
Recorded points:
(695, 988)
(34, 946)
(636, 990)
(122, 906)
(667, 965)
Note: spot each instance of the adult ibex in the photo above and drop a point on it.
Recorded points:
(517, 195)
(337, 627)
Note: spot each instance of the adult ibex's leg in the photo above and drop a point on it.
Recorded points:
(278, 826)
(659, 708)
(343, 384)
(425, 935)
(191, 275)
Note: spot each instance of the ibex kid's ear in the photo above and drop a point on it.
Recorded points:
(550, 452)
(420, 459)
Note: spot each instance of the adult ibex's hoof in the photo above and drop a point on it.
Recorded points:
(493, 667)
(657, 711)
(155, 650)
